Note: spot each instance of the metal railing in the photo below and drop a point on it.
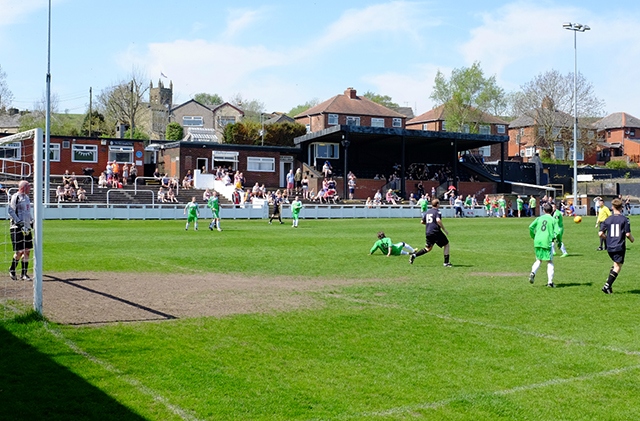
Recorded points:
(10, 167)
(135, 183)
(153, 196)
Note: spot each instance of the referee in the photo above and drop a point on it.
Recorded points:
(21, 234)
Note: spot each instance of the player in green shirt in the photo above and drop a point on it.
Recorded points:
(558, 217)
(194, 213)
(532, 206)
(296, 207)
(214, 204)
(424, 205)
(543, 230)
(520, 204)
(387, 247)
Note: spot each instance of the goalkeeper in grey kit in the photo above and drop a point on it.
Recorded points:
(19, 210)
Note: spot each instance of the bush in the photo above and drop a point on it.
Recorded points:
(617, 165)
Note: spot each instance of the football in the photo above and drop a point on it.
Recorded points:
(577, 219)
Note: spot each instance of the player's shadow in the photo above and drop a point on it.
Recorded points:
(574, 284)
(633, 291)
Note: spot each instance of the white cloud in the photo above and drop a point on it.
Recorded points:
(383, 19)
(13, 11)
(239, 20)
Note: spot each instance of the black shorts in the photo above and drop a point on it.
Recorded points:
(438, 238)
(21, 240)
(617, 256)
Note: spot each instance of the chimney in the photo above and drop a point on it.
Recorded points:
(13, 111)
(351, 93)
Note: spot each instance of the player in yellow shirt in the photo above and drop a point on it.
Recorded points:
(603, 214)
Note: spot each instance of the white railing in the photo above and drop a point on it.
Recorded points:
(62, 176)
(11, 167)
(122, 191)
(135, 183)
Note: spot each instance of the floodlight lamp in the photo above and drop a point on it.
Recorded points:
(567, 25)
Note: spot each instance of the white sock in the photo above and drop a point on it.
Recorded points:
(408, 247)
(535, 266)
(553, 247)
(550, 270)
(563, 248)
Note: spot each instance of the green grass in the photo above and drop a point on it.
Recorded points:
(472, 342)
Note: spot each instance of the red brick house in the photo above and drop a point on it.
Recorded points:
(435, 120)
(351, 110)
(620, 133)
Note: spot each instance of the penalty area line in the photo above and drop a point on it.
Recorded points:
(554, 338)
(176, 410)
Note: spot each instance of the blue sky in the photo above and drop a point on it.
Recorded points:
(285, 53)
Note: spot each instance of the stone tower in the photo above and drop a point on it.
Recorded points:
(160, 102)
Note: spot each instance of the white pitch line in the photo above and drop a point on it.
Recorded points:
(492, 326)
(471, 397)
(183, 414)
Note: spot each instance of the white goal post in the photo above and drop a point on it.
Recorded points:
(22, 170)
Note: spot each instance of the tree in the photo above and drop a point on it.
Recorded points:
(252, 107)
(547, 101)
(174, 131)
(210, 100)
(98, 125)
(124, 102)
(137, 134)
(380, 99)
(248, 133)
(62, 124)
(303, 107)
(5, 94)
(466, 96)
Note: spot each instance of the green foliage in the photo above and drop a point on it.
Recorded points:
(472, 342)
(174, 131)
(249, 133)
(617, 165)
(466, 95)
(380, 99)
(282, 134)
(303, 107)
(210, 100)
(61, 124)
(98, 125)
(243, 133)
(137, 134)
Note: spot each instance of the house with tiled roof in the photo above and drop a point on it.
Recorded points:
(436, 120)
(551, 130)
(620, 133)
(349, 109)
(207, 123)
(10, 121)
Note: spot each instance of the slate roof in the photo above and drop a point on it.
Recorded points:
(617, 121)
(9, 122)
(350, 103)
(439, 114)
(560, 118)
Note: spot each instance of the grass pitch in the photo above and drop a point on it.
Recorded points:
(472, 342)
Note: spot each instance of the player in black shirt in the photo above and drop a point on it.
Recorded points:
(277, 207)
(615, 229)
(435, 233)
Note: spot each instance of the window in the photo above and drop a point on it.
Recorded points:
(397, 122)
(220, 157)
(54, 152)
(327, 150)
(425, 126)
(377, 122)
(84, 153)
(591, 134)
(192, 121)
(465, 128)
(485, 150)
(121, 153)
(224, 120)
(444, 126)
(66, 144)
(559, 151)
(632, 133)
(501, 129)
(333, 119)
(555, 132)
(308, 127)
(257, 164)
(485, 129)
(353, 121)
(541, 132)
(11, 151)
(529, 151)
(580, 156)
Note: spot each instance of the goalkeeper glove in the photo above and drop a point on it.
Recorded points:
(20, 225)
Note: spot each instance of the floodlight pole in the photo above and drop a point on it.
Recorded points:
(575, 27)
(47, 136)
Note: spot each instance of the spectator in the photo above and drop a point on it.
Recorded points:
(390, 197)
(156, 174)
(298, 180)
(161, 195)
(125, 174)
(457, 203)
(369, 202)
(116, 169)
(171, 196)
(60, 194)
(377, 198)
(327, 170)
(166, 181)
(133, 173)
(206, 195)
(255, 191)
(102, 181)
(82, 194)
(305, 187)
(352, 185)
(291, 182)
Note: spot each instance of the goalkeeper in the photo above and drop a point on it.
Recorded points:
(19, 210)
(387, 247)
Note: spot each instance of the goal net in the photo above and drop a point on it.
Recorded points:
(21, 158)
